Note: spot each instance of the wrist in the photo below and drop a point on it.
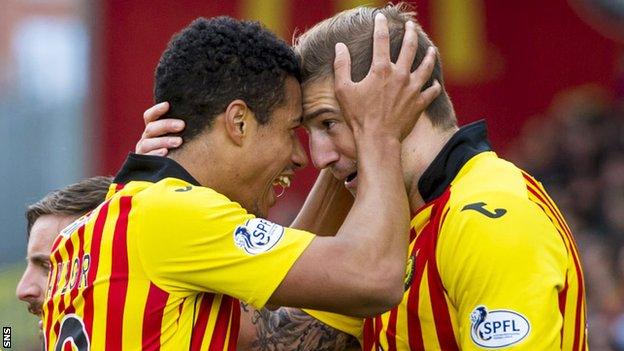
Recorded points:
(376, 139)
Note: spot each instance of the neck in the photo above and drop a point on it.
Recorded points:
(196, 158)
(420, 148)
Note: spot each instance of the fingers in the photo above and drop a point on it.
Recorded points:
(159, 152)
(162, 127)
(422, 74)
(408, 48)
(155, 112)
(154, 146)
(342, 67)
(431, 93)
(381, 45)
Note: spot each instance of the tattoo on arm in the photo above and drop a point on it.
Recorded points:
(244, 306)
(293, 329)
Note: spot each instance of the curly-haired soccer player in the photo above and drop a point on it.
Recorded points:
(164, 261)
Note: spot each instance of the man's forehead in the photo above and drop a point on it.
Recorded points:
(293, 98)
(45, 229)
(318, 88)
(292, 91)
(319, 98)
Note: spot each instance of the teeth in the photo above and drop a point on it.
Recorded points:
(283, 181)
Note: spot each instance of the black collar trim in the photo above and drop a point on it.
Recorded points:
(151, 169)
(467, 142)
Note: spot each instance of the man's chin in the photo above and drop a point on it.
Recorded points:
(259, 211)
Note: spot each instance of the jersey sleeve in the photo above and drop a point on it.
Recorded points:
(503, 264)
(199, 241)
(353, 326)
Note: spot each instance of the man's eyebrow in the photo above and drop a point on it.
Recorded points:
(317, 113)
(39, 258)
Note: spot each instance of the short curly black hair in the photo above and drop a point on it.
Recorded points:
(215, 61)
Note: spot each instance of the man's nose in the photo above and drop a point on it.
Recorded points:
(322, 151)
(28, 289)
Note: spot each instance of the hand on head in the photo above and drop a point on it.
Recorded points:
(155, 139)
(389, 99)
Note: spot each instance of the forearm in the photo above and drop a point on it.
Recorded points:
(289, 329)
(378, 224)
(326, 206)
(359, 271)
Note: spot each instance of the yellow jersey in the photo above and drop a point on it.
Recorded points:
(161, 265)
(492, 263)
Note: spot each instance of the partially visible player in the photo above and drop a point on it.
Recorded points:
(162, 263)
(47, 217)
(45, 220)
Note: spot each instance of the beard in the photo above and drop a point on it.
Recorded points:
(35, 308)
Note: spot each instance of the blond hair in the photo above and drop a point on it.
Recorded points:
(354, 28)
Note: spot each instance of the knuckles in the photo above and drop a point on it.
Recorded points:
(381, 68)
(402, 75)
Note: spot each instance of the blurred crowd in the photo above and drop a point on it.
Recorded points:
(577, 151)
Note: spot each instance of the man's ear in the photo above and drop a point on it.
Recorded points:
(237, 121)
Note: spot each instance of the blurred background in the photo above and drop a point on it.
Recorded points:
(548, 76)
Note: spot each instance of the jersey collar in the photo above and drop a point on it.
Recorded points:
(151, 169)
(467, 142)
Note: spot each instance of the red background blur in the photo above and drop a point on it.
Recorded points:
(503, 60)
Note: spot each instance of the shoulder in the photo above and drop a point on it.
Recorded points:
(489, 210)
(490, 192)
(178, 196)
(175, 205)
(503, 217)
(486, 173)
(501, 234)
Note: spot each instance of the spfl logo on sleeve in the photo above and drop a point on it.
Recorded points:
(258, 235)
(497, 328)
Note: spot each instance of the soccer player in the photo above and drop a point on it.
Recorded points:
(45, 219)
(492, 263)
(162, 263)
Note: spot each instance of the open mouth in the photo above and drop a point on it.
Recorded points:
(283, 181)
(351, 176)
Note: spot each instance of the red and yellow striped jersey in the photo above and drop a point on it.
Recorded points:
(492, 265)
(161, 265)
